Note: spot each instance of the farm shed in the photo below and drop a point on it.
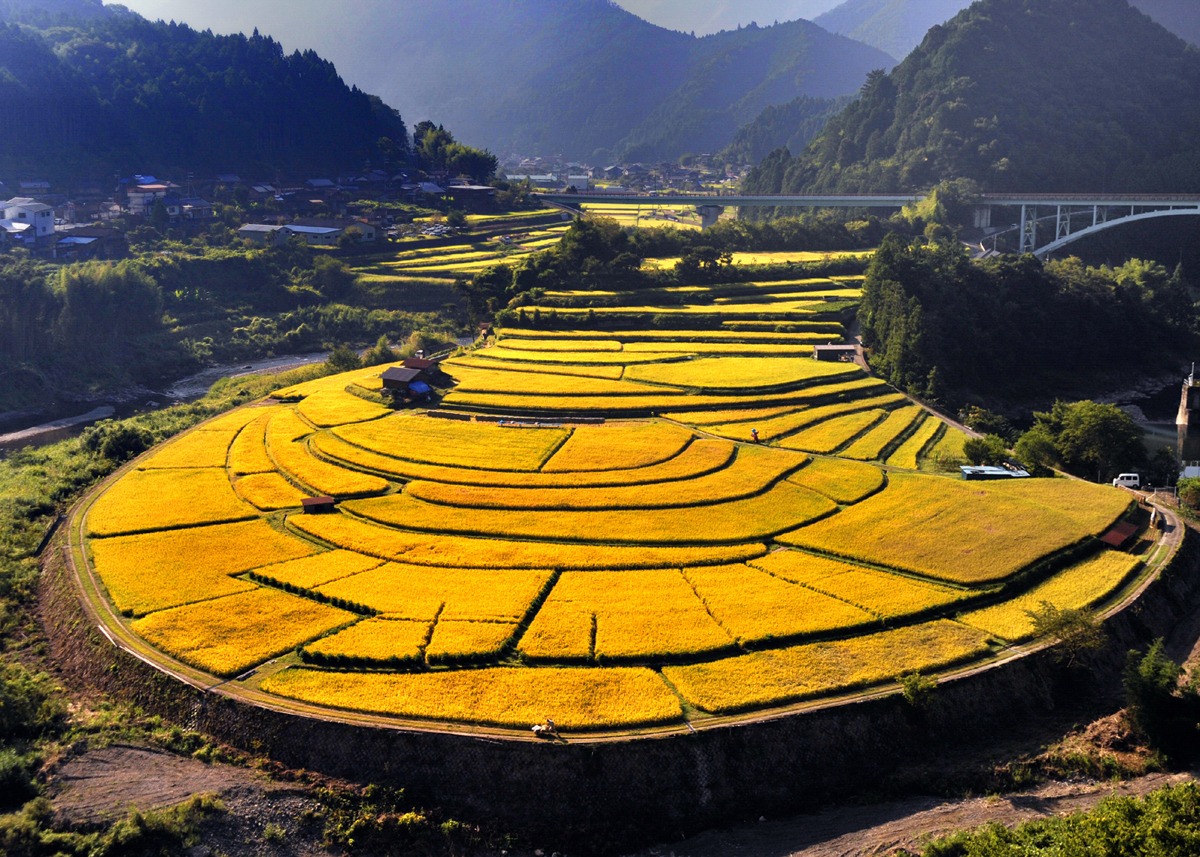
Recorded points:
(405, 382)
(835, 353)
(318, 505)
(424, 366)
(973, 474)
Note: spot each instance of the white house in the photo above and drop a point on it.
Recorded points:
(37, 215)
(143, 196)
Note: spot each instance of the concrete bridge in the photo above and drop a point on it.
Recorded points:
(1047, 222)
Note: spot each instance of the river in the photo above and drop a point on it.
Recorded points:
(55, 423)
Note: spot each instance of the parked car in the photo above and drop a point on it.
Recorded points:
(1127, 480)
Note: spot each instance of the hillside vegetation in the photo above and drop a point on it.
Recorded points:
(130, 94)
(1019, 95)
(939, 324)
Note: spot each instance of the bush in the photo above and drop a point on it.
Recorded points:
(117, 441)
(1158, 709)
(16, 778)
(917, 689)
(989, 450)
(1189, 493)
(29, 707)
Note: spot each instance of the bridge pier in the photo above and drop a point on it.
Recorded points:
(709, 214)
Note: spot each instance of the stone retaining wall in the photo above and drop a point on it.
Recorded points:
(602, 795)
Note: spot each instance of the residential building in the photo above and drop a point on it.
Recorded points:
(38, 216)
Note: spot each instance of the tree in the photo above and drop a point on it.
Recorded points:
(343, 359)
(332, 278)
(1036, 450)
(1075, 631)
(1098, 437)
(350, 238)
(702, 264)
(1158, 708)
(381, 353)
(988, 450)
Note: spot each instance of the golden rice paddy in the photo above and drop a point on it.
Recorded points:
(616, 528)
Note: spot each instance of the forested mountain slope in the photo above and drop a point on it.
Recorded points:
(1021, 95)
(790, 126)
(557, 76)
(114, 92)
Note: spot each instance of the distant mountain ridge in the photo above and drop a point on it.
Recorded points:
(898, 26)
(582, 78)
(1019, 95)
(591, 79)
(894, 26)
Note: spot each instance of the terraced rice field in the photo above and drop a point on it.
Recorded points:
(595, 535)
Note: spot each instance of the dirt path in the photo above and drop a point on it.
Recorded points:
(882, 829)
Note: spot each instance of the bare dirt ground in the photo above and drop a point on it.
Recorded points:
(102, 785)
(908, 824)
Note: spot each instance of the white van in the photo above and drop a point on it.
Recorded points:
(1127, 480)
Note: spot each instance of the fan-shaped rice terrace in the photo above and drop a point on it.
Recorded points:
(646, 514)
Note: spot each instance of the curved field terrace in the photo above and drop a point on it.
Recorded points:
(641, 526)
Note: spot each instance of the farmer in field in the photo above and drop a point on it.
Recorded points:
(754, 435)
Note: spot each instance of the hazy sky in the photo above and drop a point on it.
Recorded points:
(294, 22)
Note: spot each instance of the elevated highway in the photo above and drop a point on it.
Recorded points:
(1047, 221)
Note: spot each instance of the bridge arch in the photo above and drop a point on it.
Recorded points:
(1059, 243)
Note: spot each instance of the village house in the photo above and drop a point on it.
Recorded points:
(835, 353)
(142, 197)
(406, 383)
(27, 221)
(263, 234)
(368, 232)
(89, 242)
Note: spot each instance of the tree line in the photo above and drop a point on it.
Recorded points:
(940, 325)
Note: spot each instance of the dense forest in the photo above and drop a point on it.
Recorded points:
(785, 126)
(1019, 95)
(130, 95)
(940, 325)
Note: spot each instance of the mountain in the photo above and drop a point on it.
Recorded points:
(556, 76)
(789, 126)
(688, 16)
(898, 26)
(590, 76)
(111, 91)
(893, 26)
(1181, 17)
(734, 76)
(1019, 95)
